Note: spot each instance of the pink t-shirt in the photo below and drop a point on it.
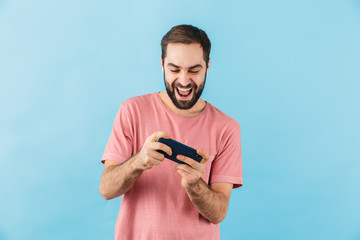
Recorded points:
(157, 206)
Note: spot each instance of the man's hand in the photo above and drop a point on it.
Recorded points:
(148, 155)
(191, 174)
(211, 201)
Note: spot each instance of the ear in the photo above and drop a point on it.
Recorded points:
(208, 65)
(162, 63)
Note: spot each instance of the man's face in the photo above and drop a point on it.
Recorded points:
(184, 73)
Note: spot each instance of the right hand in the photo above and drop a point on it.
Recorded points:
(148, 155)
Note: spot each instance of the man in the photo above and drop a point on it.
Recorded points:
(163, 199)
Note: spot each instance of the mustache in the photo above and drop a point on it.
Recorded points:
(177, 84)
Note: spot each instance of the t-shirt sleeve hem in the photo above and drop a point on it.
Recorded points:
(236, 181)
(113, 157)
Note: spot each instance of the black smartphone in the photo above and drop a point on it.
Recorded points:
(179, 149)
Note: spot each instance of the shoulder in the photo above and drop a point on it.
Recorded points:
(226, 130)
(222, 118)
(139, 105)
(142, 101)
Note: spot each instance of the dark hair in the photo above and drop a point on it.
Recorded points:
(186, 34)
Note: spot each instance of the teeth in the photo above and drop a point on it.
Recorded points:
(184, 89)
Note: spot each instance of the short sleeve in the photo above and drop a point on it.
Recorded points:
(119, 147)
(227, 165)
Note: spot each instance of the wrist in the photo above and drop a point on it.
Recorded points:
(134, 164)
(196, 188)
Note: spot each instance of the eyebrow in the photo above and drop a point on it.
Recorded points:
(192, 67)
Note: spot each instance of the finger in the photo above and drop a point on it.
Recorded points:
(205, 156)
(183, 173)
(185, 168)
(156, 162)
(157, 156)
(194, 164)
(156, 135)
(162, 147)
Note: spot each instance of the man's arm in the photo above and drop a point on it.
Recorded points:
(117, 178)
(212, 201)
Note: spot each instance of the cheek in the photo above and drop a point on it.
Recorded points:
(170, 78)
(198, 79)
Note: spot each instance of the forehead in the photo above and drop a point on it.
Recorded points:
(184, 55)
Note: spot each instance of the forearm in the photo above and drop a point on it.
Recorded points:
(210, 204)
(117, 180)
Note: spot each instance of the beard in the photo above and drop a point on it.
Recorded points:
(187, 104)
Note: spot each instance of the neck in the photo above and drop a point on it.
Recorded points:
(195, 110)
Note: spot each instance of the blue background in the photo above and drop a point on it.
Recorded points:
(288, 71)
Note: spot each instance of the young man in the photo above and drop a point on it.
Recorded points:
(163, 199)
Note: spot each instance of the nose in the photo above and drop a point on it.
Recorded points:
(184, 79)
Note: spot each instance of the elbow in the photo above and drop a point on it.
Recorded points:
(106, 197)
(105, 194)
(217, 220)
(109, 194)
(220, 217)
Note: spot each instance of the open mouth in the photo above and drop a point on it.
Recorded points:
(184, 92)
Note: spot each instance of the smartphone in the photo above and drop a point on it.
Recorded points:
(179, 149)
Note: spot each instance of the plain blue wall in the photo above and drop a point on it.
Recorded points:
(288, 71)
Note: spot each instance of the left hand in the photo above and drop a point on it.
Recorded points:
(191, 174)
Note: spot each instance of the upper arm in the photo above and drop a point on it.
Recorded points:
(222, 187)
